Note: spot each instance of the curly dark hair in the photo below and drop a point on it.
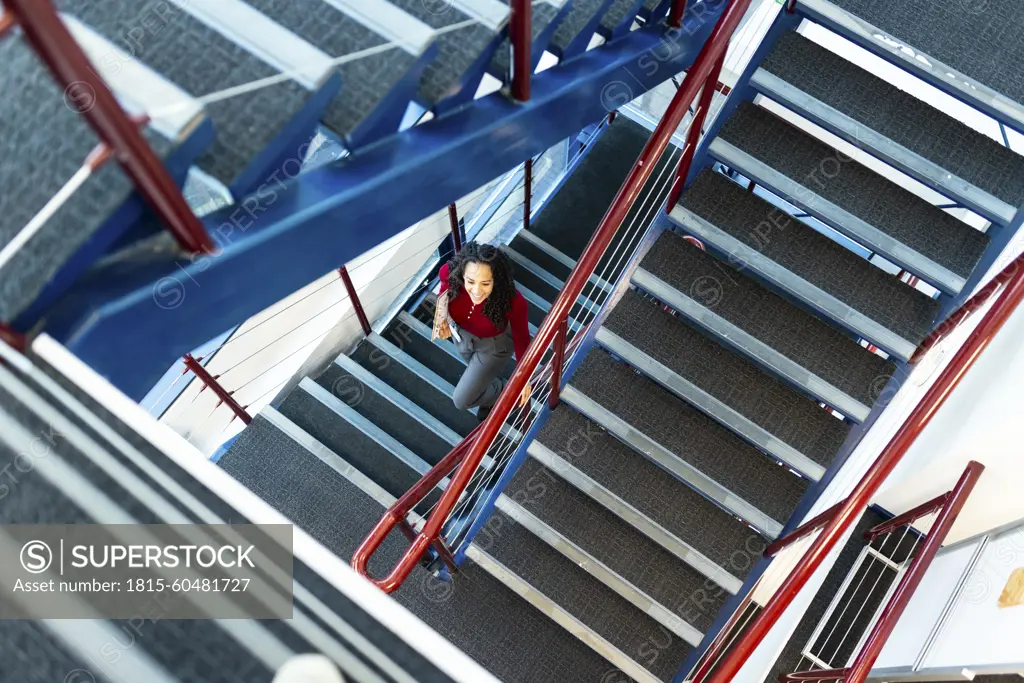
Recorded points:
(499, 303)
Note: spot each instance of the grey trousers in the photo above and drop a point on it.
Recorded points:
(485, 358)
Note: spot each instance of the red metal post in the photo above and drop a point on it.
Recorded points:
(693, 135)
(805, 529)
(16, 340)
(919, 417)
(907, 517)
(86, 92)
(791, 6)
(556, 365)
(528, 191)
(599, 241)
(353, 296)
(955, 500)
(675, 15)
(611, 117)
(980, 298)
(521, 36)
(453, 218)
(209, 380)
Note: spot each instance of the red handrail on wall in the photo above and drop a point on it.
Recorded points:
(521, 37)
(353, 296)
(979, 299)
(48, 36)
(208, 380)
(696, 77)
(907, 517)
(805, 529)
(919, 417)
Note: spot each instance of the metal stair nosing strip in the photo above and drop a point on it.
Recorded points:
(859, 135)
(391, 23)
(671, 463)
(553, 281)
(836, 217)
(492, 14)
(709, 405)
(485, 561)
(794, 285)
(595, 567)
(751, 347)
(562, 257)
(914, 60)
(638, 520)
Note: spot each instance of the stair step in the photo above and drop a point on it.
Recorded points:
(851, 198)
(365, 393)
(595, 605)
(965, 50)
(413, 337)
(739, 312)
(534, 277)
(620, 15)
(544, 13)
(573, 31)
(413, 380)
(892, 124)
(458, 49)
(343, 27)
(53, 141)
(533, 248)
(732, 390)
(715, 543)
(741, 478)
(303, 479)
(806, 264)
(201, 61)
(337, 426)
(662, 578)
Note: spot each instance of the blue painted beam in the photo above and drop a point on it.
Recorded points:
(131, 317)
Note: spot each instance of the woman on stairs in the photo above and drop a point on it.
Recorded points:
(479, 308)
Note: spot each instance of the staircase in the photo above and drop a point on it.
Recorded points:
(739, 350)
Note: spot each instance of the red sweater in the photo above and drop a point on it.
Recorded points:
(472, 319)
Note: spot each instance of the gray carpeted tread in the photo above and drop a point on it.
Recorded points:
(781, 411)
(812, 256)
(899, 116)
(549, 263)
(31, 654)
(52, 142)
(617, 13)
(524, 646)
(426, 352)
(396, 422)
(796, 334)
(822, 170)
(457, 50)
(690, 435)
(578, 17)
(202, 61)
(535, 284)
(721, 537)
(365, 81)
(977, 39)
(425, 395)
(661, 575)
(580, 594)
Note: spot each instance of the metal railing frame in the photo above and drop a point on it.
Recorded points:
(479, 442)
(948, 505)
(521, 37)
(51, 40)
(210, 381)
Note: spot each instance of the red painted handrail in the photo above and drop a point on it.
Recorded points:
(908, 517)
(980, 298)
(203, 375)
(675, 15)
(953, 503)
(48, 36)
(660, 139)
(893, 452)
(556, 364)
(521, 37)
(353, 296)
(805, 529)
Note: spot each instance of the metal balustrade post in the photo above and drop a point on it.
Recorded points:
(210, 381)
(557, 361)
(528, 190)
(675, 15)
(353, 296)
(453, 219)
(521, 37)
(90, 96)
(707, 96)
